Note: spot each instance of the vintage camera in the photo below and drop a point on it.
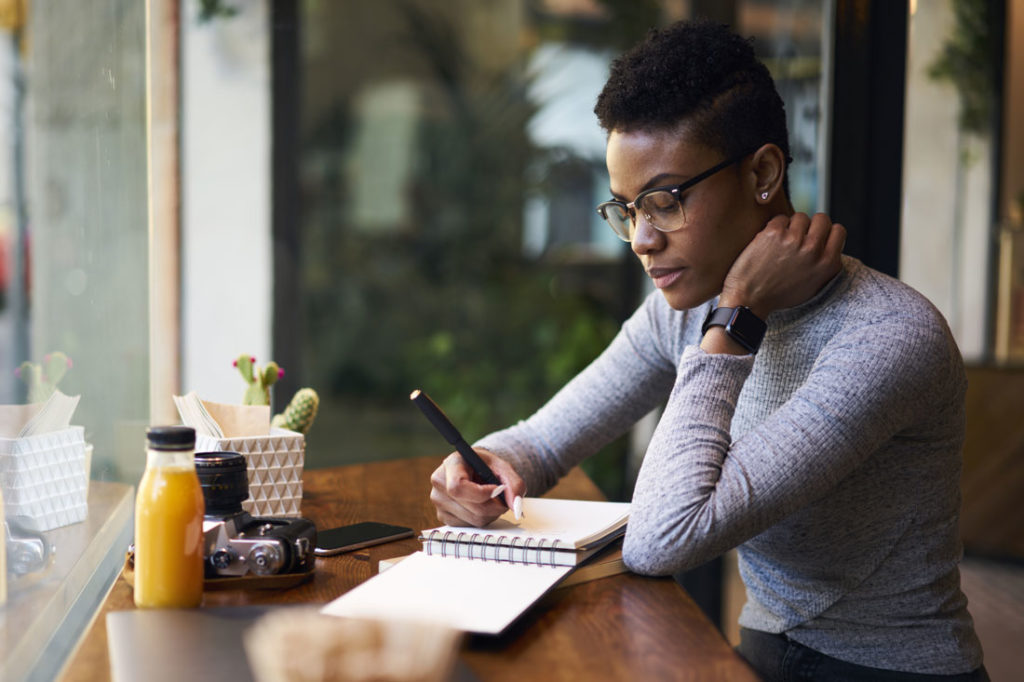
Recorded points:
(238, 544)
(28, 551)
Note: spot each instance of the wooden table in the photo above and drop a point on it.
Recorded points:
(624, 627)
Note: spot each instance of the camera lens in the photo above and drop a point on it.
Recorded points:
(225, 483)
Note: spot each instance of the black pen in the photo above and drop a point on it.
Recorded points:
(451, 434)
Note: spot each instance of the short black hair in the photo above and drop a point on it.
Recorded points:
(698, 74)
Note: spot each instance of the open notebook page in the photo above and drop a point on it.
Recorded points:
(570, 524)
(467, 594)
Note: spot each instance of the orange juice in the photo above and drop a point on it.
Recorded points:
(169, 528)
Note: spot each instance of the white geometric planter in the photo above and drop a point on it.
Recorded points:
(45, 479)
(274, 465)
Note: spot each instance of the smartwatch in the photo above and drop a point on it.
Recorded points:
(742, 326)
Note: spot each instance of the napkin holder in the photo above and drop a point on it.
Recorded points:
(45, 478)
(274, 464)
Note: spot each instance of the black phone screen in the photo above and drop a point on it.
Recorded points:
(346, 538)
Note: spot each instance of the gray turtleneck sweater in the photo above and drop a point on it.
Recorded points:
(831, 460)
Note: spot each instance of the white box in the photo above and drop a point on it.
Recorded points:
(274, 465)
(44, 478)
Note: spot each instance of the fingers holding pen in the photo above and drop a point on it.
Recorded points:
(452, 509)
(514, 486)
(457, 499)
(455, 491)
(460, 500)
(451, 513)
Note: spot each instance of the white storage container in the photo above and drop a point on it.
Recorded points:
(274, 466)
(45, 478)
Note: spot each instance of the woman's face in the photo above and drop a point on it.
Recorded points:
(722, 216)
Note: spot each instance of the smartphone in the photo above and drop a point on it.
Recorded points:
(346, 538)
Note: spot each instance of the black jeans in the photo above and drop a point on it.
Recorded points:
(776, 658)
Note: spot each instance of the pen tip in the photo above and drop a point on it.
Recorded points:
(415, 394)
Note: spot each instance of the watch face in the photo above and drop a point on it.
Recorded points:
(743, 326)
(746, 328)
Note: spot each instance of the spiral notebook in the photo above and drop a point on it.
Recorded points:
(481, 580)
(552, 532)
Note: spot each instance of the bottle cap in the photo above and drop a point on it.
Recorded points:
(171, 437)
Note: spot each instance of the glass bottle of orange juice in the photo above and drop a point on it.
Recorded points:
(169, 522)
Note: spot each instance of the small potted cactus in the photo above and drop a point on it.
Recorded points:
(274, 461)
(301, 411)
(42, 378)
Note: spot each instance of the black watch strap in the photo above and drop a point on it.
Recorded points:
(741, 324)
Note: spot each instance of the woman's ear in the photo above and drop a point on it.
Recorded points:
(767, 173)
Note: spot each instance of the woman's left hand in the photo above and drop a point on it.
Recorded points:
(786, 263)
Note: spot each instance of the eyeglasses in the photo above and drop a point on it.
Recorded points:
(662, 207)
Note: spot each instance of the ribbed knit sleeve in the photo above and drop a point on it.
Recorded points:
(700, 493)
(831, 460)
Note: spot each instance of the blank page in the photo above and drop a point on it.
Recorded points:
(466, 594)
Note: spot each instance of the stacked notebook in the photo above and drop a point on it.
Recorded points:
(481, 579)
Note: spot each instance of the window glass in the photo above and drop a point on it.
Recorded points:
(450, 241)
(73, 307)
(792, 37)
(947, 216)
(450, 167)
(73, 221)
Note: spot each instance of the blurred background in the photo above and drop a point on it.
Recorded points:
(434, 169)
(400, 194)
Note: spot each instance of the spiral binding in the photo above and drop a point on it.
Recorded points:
(505, 547)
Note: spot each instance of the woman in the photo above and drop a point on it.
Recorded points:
(813, 408)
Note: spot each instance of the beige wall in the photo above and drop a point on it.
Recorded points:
(226, 257)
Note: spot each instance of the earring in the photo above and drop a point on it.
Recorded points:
(764, 196)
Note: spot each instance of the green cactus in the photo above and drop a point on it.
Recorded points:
(259, 380)
(300, 413)
(42, 378)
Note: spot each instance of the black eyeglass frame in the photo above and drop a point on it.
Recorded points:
(675, 190)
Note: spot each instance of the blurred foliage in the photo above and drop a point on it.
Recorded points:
(968, 60)
(449, 303)
(211, 9)
(620, 24)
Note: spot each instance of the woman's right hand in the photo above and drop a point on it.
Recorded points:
(462, 501)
